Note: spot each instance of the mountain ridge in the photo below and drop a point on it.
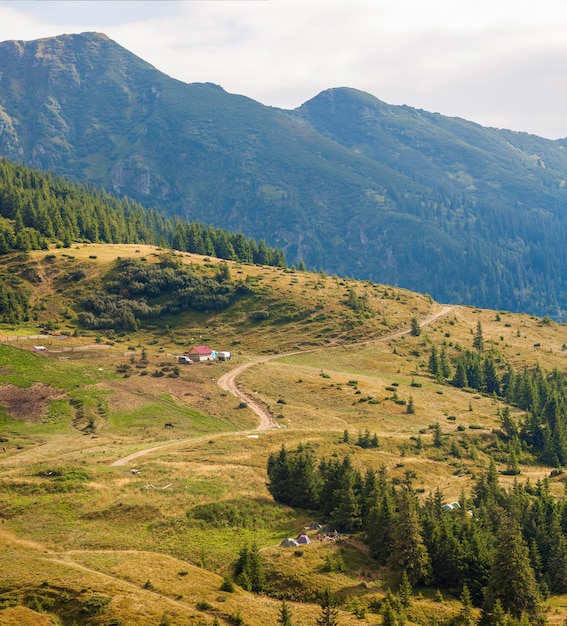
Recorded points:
(345, 182)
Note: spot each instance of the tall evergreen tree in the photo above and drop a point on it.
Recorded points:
(512, 579)
(478, 341)
(466, 615)
(329, 612)
(408, 550)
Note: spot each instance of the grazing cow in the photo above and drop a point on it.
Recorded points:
(168, 425)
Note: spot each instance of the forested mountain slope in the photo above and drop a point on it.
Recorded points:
(346, 182)
(37, 209)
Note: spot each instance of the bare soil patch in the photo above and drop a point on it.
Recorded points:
(28, 404)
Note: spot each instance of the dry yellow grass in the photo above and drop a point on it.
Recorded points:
(116, 530)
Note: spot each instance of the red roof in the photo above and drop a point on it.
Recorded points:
(201, 350)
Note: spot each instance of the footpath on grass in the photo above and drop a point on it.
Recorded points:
(228, 382)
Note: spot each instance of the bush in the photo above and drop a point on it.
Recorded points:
(204, 606)
(94, 604)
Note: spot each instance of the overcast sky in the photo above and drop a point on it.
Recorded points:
(500, 63)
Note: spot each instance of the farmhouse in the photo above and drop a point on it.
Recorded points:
(200, 353)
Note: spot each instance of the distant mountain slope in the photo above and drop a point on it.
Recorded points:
(345, 182)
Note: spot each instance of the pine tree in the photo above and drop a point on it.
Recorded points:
(405, 590)
(478, 341)
(444, 363)
(408, 550)
(434, 363)
(557, 566)
(460, 379)
(389, 611)
(512, 578)
(284, 617)
(498, 617)
(346, 515)
(329, 612)
(249, 569)
(466, 616)
(415, 327)
(380, 525)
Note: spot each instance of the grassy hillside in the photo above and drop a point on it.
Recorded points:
(93, 542)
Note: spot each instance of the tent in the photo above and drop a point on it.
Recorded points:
(303, 539)
(289, 543)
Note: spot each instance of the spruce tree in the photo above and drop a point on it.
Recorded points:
(434, 364)
(389, 611)
(460, 379)
(478, 341)
(284, 617)
(557, 566)
(415, 327)
(444, 363)
(405, 590)
(408, 550)
(380, 525)
(512, 578)
(466, 616)
(329, 612)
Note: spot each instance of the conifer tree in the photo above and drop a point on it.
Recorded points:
(557, 566)
(346, 515)
(512, 578)
(478, 341)
(382, 520)
(434, 364)
(329, 612)
(415, 327)
(466, 616)
(460, 379)
(408, 550)
(405, 590)
(389, 611)
(444, 364)
(284, 617)
(498, 617)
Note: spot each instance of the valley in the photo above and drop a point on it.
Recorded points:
(108, 517)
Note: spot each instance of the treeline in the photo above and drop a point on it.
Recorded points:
(135, 290)
(37, 209)
(508, 548)
(14, 305)
(543, 430)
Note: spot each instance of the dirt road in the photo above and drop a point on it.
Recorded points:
(227, 382)
(267, 421)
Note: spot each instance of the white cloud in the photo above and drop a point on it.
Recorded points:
(498, 63)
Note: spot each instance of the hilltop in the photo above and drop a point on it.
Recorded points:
(345, 183)
(339, 362)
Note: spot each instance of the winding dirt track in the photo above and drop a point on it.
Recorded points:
(227, 382)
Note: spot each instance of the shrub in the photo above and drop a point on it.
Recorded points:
(94, 604)
(203, 605)
(227, 585)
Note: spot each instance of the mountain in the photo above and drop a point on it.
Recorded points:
(346, 182)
